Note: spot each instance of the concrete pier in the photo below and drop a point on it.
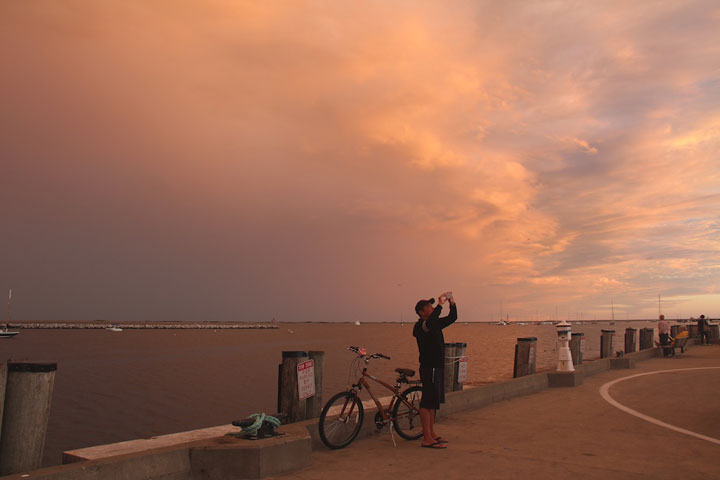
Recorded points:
(505, 430)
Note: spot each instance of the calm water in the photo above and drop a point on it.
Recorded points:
(133, 384)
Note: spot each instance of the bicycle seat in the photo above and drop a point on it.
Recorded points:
(405, 371)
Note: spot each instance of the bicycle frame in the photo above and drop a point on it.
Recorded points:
(363, 383)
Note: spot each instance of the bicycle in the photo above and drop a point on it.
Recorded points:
(342, 417)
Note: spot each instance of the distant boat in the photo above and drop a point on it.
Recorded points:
(357, 323)
(502, 323)
(114, 328)
(4, 333)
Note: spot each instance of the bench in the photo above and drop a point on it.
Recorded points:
(677, 342)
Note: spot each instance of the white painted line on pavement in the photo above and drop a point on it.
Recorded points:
(605, 395)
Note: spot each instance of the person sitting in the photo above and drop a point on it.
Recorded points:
(664, 332)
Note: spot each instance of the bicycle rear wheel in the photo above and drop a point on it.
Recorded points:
(341, 420)
(406, 419)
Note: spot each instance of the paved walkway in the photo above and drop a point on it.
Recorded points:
(565, 432)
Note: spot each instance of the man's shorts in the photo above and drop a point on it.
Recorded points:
(433, 387)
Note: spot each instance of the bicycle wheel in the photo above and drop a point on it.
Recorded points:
(406, 419)
(340, 420)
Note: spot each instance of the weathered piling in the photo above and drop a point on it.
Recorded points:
(314, 405)
(289, 402)
(630, 340)
(28, 394)
(714, 333)
(606, 343)
(577, 342)
(674, 330)
(525, 356)
(3, 380)
(646, 338)
(692, 330)
(449, 371)
(460, 351)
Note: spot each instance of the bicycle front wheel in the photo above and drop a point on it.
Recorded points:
(406, 418)
(341, 420)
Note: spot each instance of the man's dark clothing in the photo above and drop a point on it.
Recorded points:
(430, 339)
(703, 330)
(431, 345)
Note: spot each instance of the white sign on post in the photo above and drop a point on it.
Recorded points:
(462, 370)
(306, 379)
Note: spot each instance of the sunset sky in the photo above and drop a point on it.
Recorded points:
(337, 161)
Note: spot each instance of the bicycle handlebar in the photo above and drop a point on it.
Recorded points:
(362, 353)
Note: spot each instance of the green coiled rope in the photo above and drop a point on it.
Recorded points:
(259, 419)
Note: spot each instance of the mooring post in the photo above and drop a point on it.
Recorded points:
(449, 369)
(525, 356)
(577, 341)
(3, 380)
(314, 404)
(674, 330)
(606, 343)
(646, 338)
(290, 404)
(28, 394)
(714, 330)
(630, 339)
(460, 351)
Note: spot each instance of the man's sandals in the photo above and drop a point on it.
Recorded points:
(439, 444)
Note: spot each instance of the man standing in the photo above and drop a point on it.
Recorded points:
(431, 345)
(703, 330)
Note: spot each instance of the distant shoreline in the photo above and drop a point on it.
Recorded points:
(102, 325)
(165, 325)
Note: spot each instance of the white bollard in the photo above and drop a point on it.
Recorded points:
(565, 363)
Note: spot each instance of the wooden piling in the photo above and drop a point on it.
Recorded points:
(3, 380)
(289, 400)
(449, 370)
(576, 343)
(525, 356)
(646, 338)
(630, 340)
(714, 330)
(314, 404)
(28, 394)
(460, 351)
(606, 343)
(674, 330)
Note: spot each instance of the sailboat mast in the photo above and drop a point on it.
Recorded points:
(7, 316)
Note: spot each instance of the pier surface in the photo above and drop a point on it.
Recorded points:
(570, 432)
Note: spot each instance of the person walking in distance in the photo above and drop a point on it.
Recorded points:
(428, 331)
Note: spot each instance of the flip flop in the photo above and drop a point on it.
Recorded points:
(440, 440)
(436, 445)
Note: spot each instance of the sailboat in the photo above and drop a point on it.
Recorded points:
(4, 333)
(357, 323)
